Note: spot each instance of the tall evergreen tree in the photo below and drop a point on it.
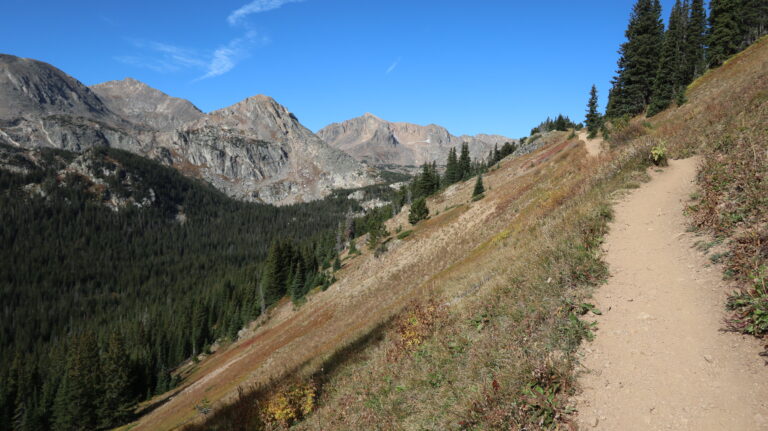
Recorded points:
(117, 401)
(725, 34)
(465, 162)
(593, 115)
(639, 60)
(696, 40)
(452, 174)
(670, 78)
(273, 274)
(428, 182)
(754, 18)
(479, 187)
(296, 290)
(77, 399)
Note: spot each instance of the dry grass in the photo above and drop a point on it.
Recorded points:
(727, 121)
(472, 322)
(488, 337)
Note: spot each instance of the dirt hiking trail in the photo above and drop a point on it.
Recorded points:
(594, 146)
(660, 360)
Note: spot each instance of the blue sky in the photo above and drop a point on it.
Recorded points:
(487, 66)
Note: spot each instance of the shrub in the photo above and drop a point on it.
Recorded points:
(659, 154)
(289, 405)
(419, 211)
(750, 306)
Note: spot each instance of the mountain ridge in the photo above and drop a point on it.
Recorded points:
(144, 105)
(254, 150)
(377, 141)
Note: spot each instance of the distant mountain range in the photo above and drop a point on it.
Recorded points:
(379, 142)
(255, 150)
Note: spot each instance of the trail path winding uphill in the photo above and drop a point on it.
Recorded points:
(594, 146)
(660, 360)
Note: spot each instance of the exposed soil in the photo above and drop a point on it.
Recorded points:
(594, 146)
(660, 359)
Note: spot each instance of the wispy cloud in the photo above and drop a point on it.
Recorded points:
(393, 66)
(162, 57)
(166, 58)
(226, 57)
(256, 6)
(182, 56)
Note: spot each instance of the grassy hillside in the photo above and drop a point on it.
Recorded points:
(471, 322)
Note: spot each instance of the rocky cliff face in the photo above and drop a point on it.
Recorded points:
(379, 142)
(254, 150)
(257, 150)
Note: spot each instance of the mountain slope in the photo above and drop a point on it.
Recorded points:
(143, 105)
(471, 319)
(254, 150)
(379, 142)
(33, 88)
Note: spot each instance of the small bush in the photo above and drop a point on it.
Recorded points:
(404, 234)
(290, 404)
(659, 154)
(750, 306)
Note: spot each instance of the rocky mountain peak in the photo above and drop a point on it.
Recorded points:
(260, 116)
(33, 88)
(146, 106)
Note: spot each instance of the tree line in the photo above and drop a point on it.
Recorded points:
(657, 64)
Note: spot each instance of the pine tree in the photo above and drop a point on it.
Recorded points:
(593, 115)
(479, 188)
(419, 211)
(452, 174)
(670, 78)
(435, 177)
(77, 399)
(273, 274)
(117, 401)
(465, 162)
(296, 290)
(696, 40)
(639, 60)
(428, 181)
(560, 123)
(725, 34)
(376, 234)
(199, 331)
(754, 18)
